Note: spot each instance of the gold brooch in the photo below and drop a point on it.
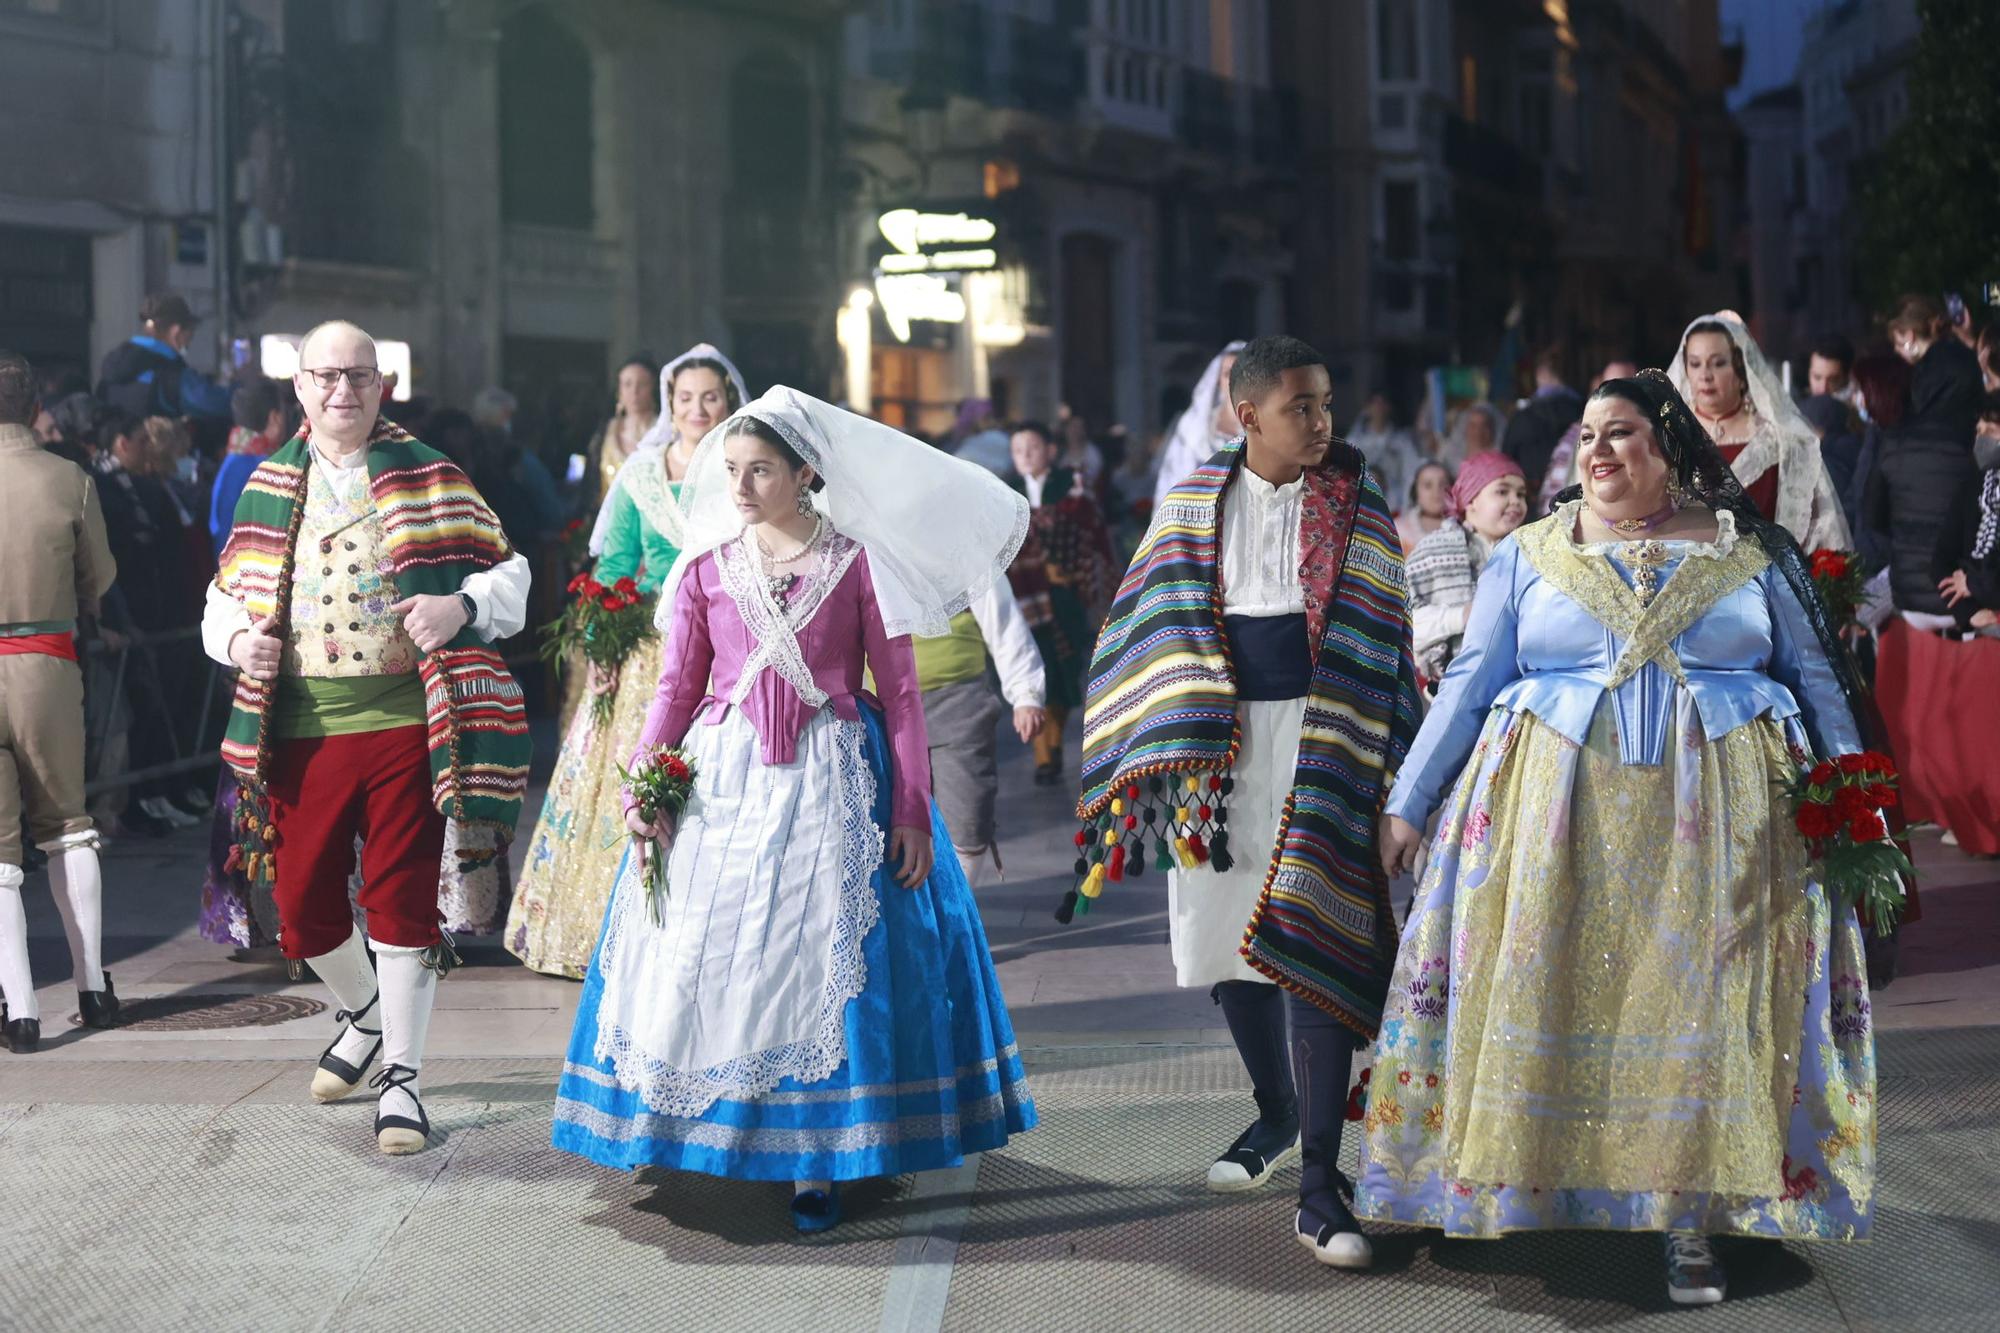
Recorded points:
(1645, 559)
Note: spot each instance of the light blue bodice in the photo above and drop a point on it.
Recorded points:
(1531, 648)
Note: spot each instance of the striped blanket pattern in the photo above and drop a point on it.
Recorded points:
(1161, 734)
(437, 530)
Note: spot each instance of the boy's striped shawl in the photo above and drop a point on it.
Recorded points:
(438, 531)
(1162, 704)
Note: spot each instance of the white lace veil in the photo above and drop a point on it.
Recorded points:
(937, 529)
(1808, 506)
(1192, 438)
(662, 433)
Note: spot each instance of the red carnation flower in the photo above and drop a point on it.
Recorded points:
(625, 587)
(1867, 827)
(1852, 763)
(676, 770)
(1829, 564)
(576, 584)
(1821, 774)
(1851, 801)
(1882, 795)
(1816, 821)
(1879, 764)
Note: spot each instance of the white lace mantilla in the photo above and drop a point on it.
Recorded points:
(637, 955)
(776, 629)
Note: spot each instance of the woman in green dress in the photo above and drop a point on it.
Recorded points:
(580, 834)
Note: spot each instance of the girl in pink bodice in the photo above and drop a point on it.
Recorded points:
(816, 1001)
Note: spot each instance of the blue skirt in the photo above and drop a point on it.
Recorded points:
(932, 1071)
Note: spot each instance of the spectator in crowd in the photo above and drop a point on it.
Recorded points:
(1536, 430)
(1945, 390)
(512, 478)
(1914, 473)
(1063, 579)
(1830, 369)
(453, 433)
(1429, 503)
(148, 373)
(1939, 692)
(1988, 351)
(1080, 453)
(1839, 449)
(1967, 563)
(1477, 430)
(69, 428)
(1389, 448)
(145, 532)
(259, 430)
(977, 437)
(1488, 501)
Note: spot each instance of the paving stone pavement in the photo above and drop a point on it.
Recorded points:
(169, 1179)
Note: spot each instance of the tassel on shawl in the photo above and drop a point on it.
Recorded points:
(1181, 815)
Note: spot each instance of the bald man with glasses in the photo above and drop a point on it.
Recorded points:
(361, 587)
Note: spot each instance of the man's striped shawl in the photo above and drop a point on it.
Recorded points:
(1161, 709)
(437, 530)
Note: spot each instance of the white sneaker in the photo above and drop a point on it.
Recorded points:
(1338, 1243)
(1693, 1275)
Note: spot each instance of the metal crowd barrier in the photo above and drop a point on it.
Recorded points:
(120, 681)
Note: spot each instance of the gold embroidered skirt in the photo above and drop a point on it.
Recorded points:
(1621, 1002)
(580, 833)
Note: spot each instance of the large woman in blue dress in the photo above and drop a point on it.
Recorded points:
(1622, 1000)
(811, 999)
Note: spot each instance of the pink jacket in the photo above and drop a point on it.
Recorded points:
(709, 640)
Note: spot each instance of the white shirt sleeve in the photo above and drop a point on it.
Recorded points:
(501, 593)
(222, 618)
(1012, 644)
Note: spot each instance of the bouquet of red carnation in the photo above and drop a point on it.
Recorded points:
(658, 784)
(1839, 578)
(602, 623)
(1839, 813)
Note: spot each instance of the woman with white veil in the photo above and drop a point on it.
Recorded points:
(792, 1004)
(1767, 442)
(667, 434)
(1208, 423)
(578, 840)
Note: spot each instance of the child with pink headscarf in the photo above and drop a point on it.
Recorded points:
(1488, 501)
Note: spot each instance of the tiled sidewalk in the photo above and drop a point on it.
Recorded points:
(182, 1179)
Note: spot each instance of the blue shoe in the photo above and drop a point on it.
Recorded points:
(816, 1210)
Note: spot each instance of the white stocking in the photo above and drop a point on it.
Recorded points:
(77, 883)
(346, 973)
(408, 988)
(16, 982)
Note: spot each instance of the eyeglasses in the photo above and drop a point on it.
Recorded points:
(361, 377)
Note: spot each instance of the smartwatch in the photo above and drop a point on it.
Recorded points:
(471, 607)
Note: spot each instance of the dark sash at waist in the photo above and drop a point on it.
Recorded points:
(1271, 656)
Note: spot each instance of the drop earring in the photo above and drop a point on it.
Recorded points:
(805, 500)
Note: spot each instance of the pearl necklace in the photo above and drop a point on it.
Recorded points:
(781, 584)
